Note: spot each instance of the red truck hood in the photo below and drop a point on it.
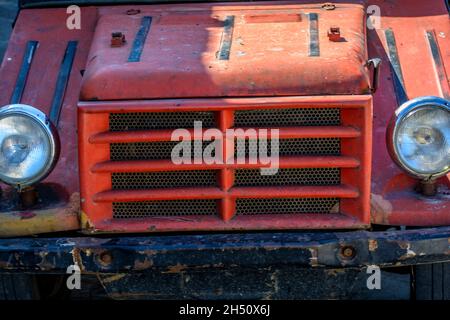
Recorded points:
(218, 51)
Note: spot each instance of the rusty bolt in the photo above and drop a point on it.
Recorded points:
(117, 39)
(28, 197)
(328, 6)
(348, 252)
(428, 188)
(334, 34)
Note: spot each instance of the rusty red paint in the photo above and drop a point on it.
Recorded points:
(180, 64)
(395, 200)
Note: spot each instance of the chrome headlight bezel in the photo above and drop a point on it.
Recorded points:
(399, 116)
(50, 131)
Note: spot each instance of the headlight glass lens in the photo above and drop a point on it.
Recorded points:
(26, 149)
(422, 140)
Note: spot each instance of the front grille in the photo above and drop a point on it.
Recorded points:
(158, 120)
(288, 177)
(133, 210)
(132, 184)
(286, 206)
(288, 117)
(165, 179)
(290, 147)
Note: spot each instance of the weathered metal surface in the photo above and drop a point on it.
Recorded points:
(438, 64)
(53, 214)
(139, 40)
(394, 199)
(269, 283)
(178, 253)
(61, 84)
(396, 68)
(24, 70)
(189, 52)
(47, 27)
(227, 38)
(314, 44)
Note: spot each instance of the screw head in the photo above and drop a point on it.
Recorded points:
(328, 6)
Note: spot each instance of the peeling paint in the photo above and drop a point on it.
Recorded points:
(313, 259)
(176, 268)
(409, 253)
(380, 209)
(373, 245)
(62, 218)
(77, 260)
(113, 278)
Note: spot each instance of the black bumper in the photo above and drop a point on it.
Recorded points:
(183, 252)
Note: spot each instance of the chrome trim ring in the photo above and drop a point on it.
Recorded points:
(399, 116)
(41, 119)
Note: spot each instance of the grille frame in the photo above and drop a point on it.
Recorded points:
(354, 163)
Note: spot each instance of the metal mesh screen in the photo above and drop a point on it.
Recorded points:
(150, 150)
(286, 206)
(166, 179)
(288, 117)
(292, 147)
(159, 120)
(145, 209)
(286, 177)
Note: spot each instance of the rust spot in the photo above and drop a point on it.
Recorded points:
(373, 245)
(76, 255)
(113, 278)
(176, 268)
(334, 272)
(348, 252)
(380, 208)
(85, 222)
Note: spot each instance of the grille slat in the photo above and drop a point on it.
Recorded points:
(166, 179)
(159, 120)
(172, 208)
(287, 206)
(288, 117)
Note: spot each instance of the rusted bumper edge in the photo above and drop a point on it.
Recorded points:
(181, 252)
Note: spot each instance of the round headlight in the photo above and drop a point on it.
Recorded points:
(418, 137)
(28, 145)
